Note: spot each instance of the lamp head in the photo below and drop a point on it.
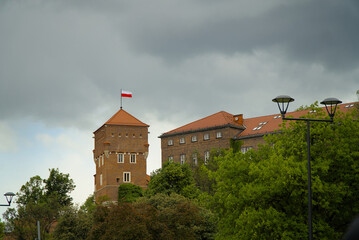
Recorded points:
(9, 196)
(331, 105)
(283, 103)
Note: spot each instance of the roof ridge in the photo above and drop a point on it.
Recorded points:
(219, 119)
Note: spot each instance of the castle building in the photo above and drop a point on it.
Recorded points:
(187, 143)
(120, 154)
(196, 139)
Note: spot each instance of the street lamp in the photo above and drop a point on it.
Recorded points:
(9, 196)
(331, 106)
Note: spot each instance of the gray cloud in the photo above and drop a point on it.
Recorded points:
(64, 62)
(315, 31)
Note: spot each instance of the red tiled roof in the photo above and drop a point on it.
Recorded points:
(268, 124)
(123, 118)
(215, 120)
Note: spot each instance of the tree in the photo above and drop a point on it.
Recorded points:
(158, 217)
(2, 230)
(39, 200)
(263, 194)
(128, 192)
(172, 178)
(73, 224)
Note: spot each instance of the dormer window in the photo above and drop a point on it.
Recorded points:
(170, 142)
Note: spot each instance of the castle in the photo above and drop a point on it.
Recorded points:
(121, 144)
(120, 154)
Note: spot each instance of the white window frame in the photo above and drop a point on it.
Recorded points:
(206, 136)
(219, 135)
(120, 158)
(246, 149)
(195, 158)
(126, 177)
(194, 138)
(170, 158)
(133, 158)
(103, 159)
(170, 142)
(101, 179)
(182, 140)
(183, 158)
(206, 156)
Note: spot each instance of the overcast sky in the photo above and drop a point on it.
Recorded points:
(63, 63)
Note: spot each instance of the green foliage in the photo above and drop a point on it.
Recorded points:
(2, 230)
(73, 224)
(59, 185)
(172, 178)
(39, 200)
(203, 171)
(236, 145)
(128, 192)
(89, 205)
(158, 217)
(263, 194)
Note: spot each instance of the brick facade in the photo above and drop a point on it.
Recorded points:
(212, 132)
(130, 142)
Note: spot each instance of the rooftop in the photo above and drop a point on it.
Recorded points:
(215, 120)
(123, 118)
(270, 123)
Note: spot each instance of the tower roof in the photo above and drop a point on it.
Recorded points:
(215, 120)
(123, 118)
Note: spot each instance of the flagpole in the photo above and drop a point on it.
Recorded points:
(121, 98)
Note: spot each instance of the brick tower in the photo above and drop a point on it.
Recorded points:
(121, 149)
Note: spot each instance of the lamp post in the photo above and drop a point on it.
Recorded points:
(331, 106)
(9, 196)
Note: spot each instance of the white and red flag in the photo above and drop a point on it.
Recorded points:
(126, 94)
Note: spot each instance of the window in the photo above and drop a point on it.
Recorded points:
(194, 138)
(133, 158)
(112, 135)
(245, 149)
(170, 142)
(103, 159)
(182, 140)
(219, 135)
(194, 158)
(119, 135)
(206, 136)
(206, 157)
(140, 135)
(117, 180)
(101, 180)
(133, 135)
(170, 158)
(126, 177)
(120, 158)
(183, 158)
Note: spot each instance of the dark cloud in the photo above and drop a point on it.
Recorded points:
(64, 62)
(316, 31)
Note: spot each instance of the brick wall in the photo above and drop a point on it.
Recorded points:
(201, 145)
(110, 141)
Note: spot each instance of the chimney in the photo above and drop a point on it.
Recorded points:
(238, 119)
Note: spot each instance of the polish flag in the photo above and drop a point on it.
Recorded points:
(126, 94)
